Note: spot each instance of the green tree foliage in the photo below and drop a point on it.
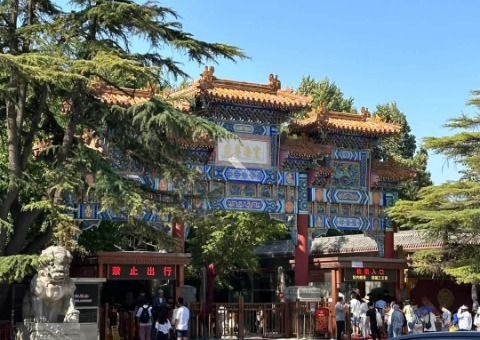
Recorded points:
(327, 93)
(402, 148)
(228, 239)
(450, 212)
(48, 60)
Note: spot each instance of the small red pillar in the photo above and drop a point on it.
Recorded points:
(301, 251)
(334, 283)
(388, 247)
(178, 233)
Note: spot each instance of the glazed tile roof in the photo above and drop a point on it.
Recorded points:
(304, 148)
(265, 95)
(410, 240)
(321, 119)
(124, 97)
(392, 171)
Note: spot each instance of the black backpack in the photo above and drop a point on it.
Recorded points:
(145, 316)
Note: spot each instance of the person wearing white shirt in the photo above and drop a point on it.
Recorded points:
(429, 318)
(181, 320)
(364, 319)
(144, 317)
(163, 325)
(355, 313)
(464, 319)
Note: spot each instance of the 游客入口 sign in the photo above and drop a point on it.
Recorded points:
(371, 274)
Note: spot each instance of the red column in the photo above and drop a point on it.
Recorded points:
(301, 251)
(334, 297)
(388, 248)
(178, 233)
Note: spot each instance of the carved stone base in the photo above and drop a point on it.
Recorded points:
(49, 331)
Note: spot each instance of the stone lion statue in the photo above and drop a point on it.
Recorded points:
(51, 289)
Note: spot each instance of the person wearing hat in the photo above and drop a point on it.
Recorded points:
(476, 320)
(464, 319)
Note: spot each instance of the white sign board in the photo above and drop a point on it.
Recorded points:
(247, 151)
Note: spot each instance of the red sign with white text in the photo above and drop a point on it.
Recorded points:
(140, 272)
(370, 274)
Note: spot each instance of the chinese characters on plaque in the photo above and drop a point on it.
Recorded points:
(244, 151)
(140, 272)
(370, 274)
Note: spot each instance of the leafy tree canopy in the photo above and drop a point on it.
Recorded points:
(228, 239)
(50, 60)
(450, 212)
(402, 148)
(327, 93)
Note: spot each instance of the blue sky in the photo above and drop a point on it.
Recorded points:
(422, 54)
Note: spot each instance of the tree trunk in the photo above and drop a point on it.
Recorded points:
(474, 297)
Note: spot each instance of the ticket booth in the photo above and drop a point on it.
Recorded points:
(359, 271)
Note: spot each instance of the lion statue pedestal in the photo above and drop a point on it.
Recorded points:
(49, 308)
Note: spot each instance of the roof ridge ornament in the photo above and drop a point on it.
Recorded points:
(274, 83)
(96, 82)
(322, 112)
(365, 113)
(152, 88)
(207, 74)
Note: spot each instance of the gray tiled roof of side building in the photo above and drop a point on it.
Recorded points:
(408, 239)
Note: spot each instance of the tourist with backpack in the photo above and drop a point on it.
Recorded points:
(144, 317)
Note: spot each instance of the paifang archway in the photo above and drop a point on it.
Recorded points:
(318, 175)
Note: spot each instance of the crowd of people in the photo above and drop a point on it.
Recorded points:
(152, 318)
(384, 317)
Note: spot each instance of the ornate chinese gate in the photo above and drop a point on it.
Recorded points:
(319, 175)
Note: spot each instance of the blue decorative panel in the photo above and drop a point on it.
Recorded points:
(349, 155)
(289, 178)
(348, 196)
(87, 211)
(245, 175)
(253, 129)
(247, 204)
(338, 196)
(317, 221)
(302, 191)
(346, 222)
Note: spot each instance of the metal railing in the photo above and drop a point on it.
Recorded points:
(246, 320)
(240, 320)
